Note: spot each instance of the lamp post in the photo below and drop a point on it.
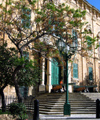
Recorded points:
(66, 50)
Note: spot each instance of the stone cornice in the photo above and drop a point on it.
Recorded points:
(91, 6)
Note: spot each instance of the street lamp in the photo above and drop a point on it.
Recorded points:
(67, 50)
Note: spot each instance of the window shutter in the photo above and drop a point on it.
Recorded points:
(74, 35)
(26, 55)
(75, 70)
(90, 73)
(89, 43)
(26, 20)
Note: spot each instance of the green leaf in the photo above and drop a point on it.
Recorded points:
(38, 20)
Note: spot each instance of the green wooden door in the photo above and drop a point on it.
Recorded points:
(90, 73)
(54, 72)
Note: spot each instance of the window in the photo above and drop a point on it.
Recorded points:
(89, 42)
(26, 17)
(90, 73)
(74, 34)
(26, 55)
(75, 41)
(75, 70)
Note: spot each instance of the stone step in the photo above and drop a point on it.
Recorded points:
(82, 104)
(63, 96)
(56, 98)
(63, 101)
(72, 112)
(72, 109)
(53, 104)
(92, 96)
(51, 113)
(61, 106)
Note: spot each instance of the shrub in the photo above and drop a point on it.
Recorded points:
(18, 110)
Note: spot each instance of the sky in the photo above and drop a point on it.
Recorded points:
(95, 3)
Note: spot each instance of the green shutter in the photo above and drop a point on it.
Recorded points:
(24, 91)
(89, 42)
(26, 55)
(21, 89)
(75, 70)
(54, 72)
(74, 34)
(90, 73)
(26, 21)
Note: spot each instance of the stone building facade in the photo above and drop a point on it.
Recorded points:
(84, 70)
(88, 67)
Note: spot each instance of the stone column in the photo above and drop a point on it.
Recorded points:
(70, 87)
(42, 85)
(43, 71)
(49, 86)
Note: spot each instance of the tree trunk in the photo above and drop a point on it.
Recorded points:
(3, 100)
(16, 84)
(20, 99)
(39, 62)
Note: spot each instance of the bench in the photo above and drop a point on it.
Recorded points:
(56, 88)
(80, 89)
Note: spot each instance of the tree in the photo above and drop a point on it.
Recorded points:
(50, 22)
(7, 56)
(26, 76)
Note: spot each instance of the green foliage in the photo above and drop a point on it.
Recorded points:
(29, 74)
(18, 110)
(45, 16)
(7, 58)
(48, 18)
(33, 2)
(7, 112)
(90, 41)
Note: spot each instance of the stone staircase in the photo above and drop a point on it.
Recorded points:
(53, 103)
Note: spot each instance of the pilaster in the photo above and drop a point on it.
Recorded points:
(49, 86)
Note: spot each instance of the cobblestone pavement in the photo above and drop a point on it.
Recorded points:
(72, 117)
(56, 117)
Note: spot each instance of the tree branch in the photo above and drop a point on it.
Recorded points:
(32, 40)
